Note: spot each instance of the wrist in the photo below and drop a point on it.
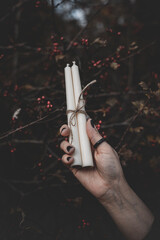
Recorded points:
(114, 192)
(131, 215)
(121, 198)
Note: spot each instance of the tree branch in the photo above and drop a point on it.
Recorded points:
(5, 135)
(134, 118)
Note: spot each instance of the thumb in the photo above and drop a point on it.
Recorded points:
(95, 136)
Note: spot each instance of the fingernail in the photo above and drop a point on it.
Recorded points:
(87, 117)
(62, 129)
(69, 148)
(92, 123)
(68, 158)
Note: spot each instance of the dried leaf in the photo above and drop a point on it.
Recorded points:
(114, 65)
(143, 85)
(133, 46)
(100, 41)
(59, 57)
(132, 43)
(148, 95)
(138, 104)
(126, 154)
(156, 93)
(153, 112)
(146, 110)
(27, 87)
(137, 129)
(111, 102)
(153, 139)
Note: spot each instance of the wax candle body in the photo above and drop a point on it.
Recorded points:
(70, 99)
(87, 159)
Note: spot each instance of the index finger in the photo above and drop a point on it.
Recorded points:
(64, 130)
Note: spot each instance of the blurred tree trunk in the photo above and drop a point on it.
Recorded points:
(18, 13)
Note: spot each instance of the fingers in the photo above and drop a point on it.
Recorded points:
(95, 136)
(64, 130)
(67, 147)
(67, 159)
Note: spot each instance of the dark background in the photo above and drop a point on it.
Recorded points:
(114, 42)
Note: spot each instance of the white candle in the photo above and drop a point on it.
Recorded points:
(70, 99)
(85, 148)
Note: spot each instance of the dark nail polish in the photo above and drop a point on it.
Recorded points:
(68, 158)
(62, 129)
(87, 117)
(69, 148)
(92, 123)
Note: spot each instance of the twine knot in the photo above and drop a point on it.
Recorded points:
(72, 120)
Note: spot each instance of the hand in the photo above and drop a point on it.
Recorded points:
(107, 183)
(107, 171)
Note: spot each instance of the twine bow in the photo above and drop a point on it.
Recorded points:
(72, 121)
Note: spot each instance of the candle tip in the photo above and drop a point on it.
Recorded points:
(67, 65)
(74, 63)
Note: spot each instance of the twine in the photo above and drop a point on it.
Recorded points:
(78, 109)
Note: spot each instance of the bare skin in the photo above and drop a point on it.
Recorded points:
(107, 183)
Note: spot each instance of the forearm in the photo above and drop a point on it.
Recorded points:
(129, 213)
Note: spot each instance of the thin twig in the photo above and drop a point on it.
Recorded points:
(138, 52)
(58, 4)
(117, 124)
(112, 94)
(25, 126)
(23, 141)
(134, 118)
(20, 128)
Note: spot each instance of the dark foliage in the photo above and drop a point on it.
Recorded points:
(115, 42)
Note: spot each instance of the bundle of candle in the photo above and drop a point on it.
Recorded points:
(76, 116)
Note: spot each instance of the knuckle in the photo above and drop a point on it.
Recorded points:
(92, 139)
(64, 157)
(95, 138)
(62, 144)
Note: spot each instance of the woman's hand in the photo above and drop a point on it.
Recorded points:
(107, 183)
(107, 172)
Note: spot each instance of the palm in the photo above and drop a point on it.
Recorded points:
(107, 168)
(99, 179)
